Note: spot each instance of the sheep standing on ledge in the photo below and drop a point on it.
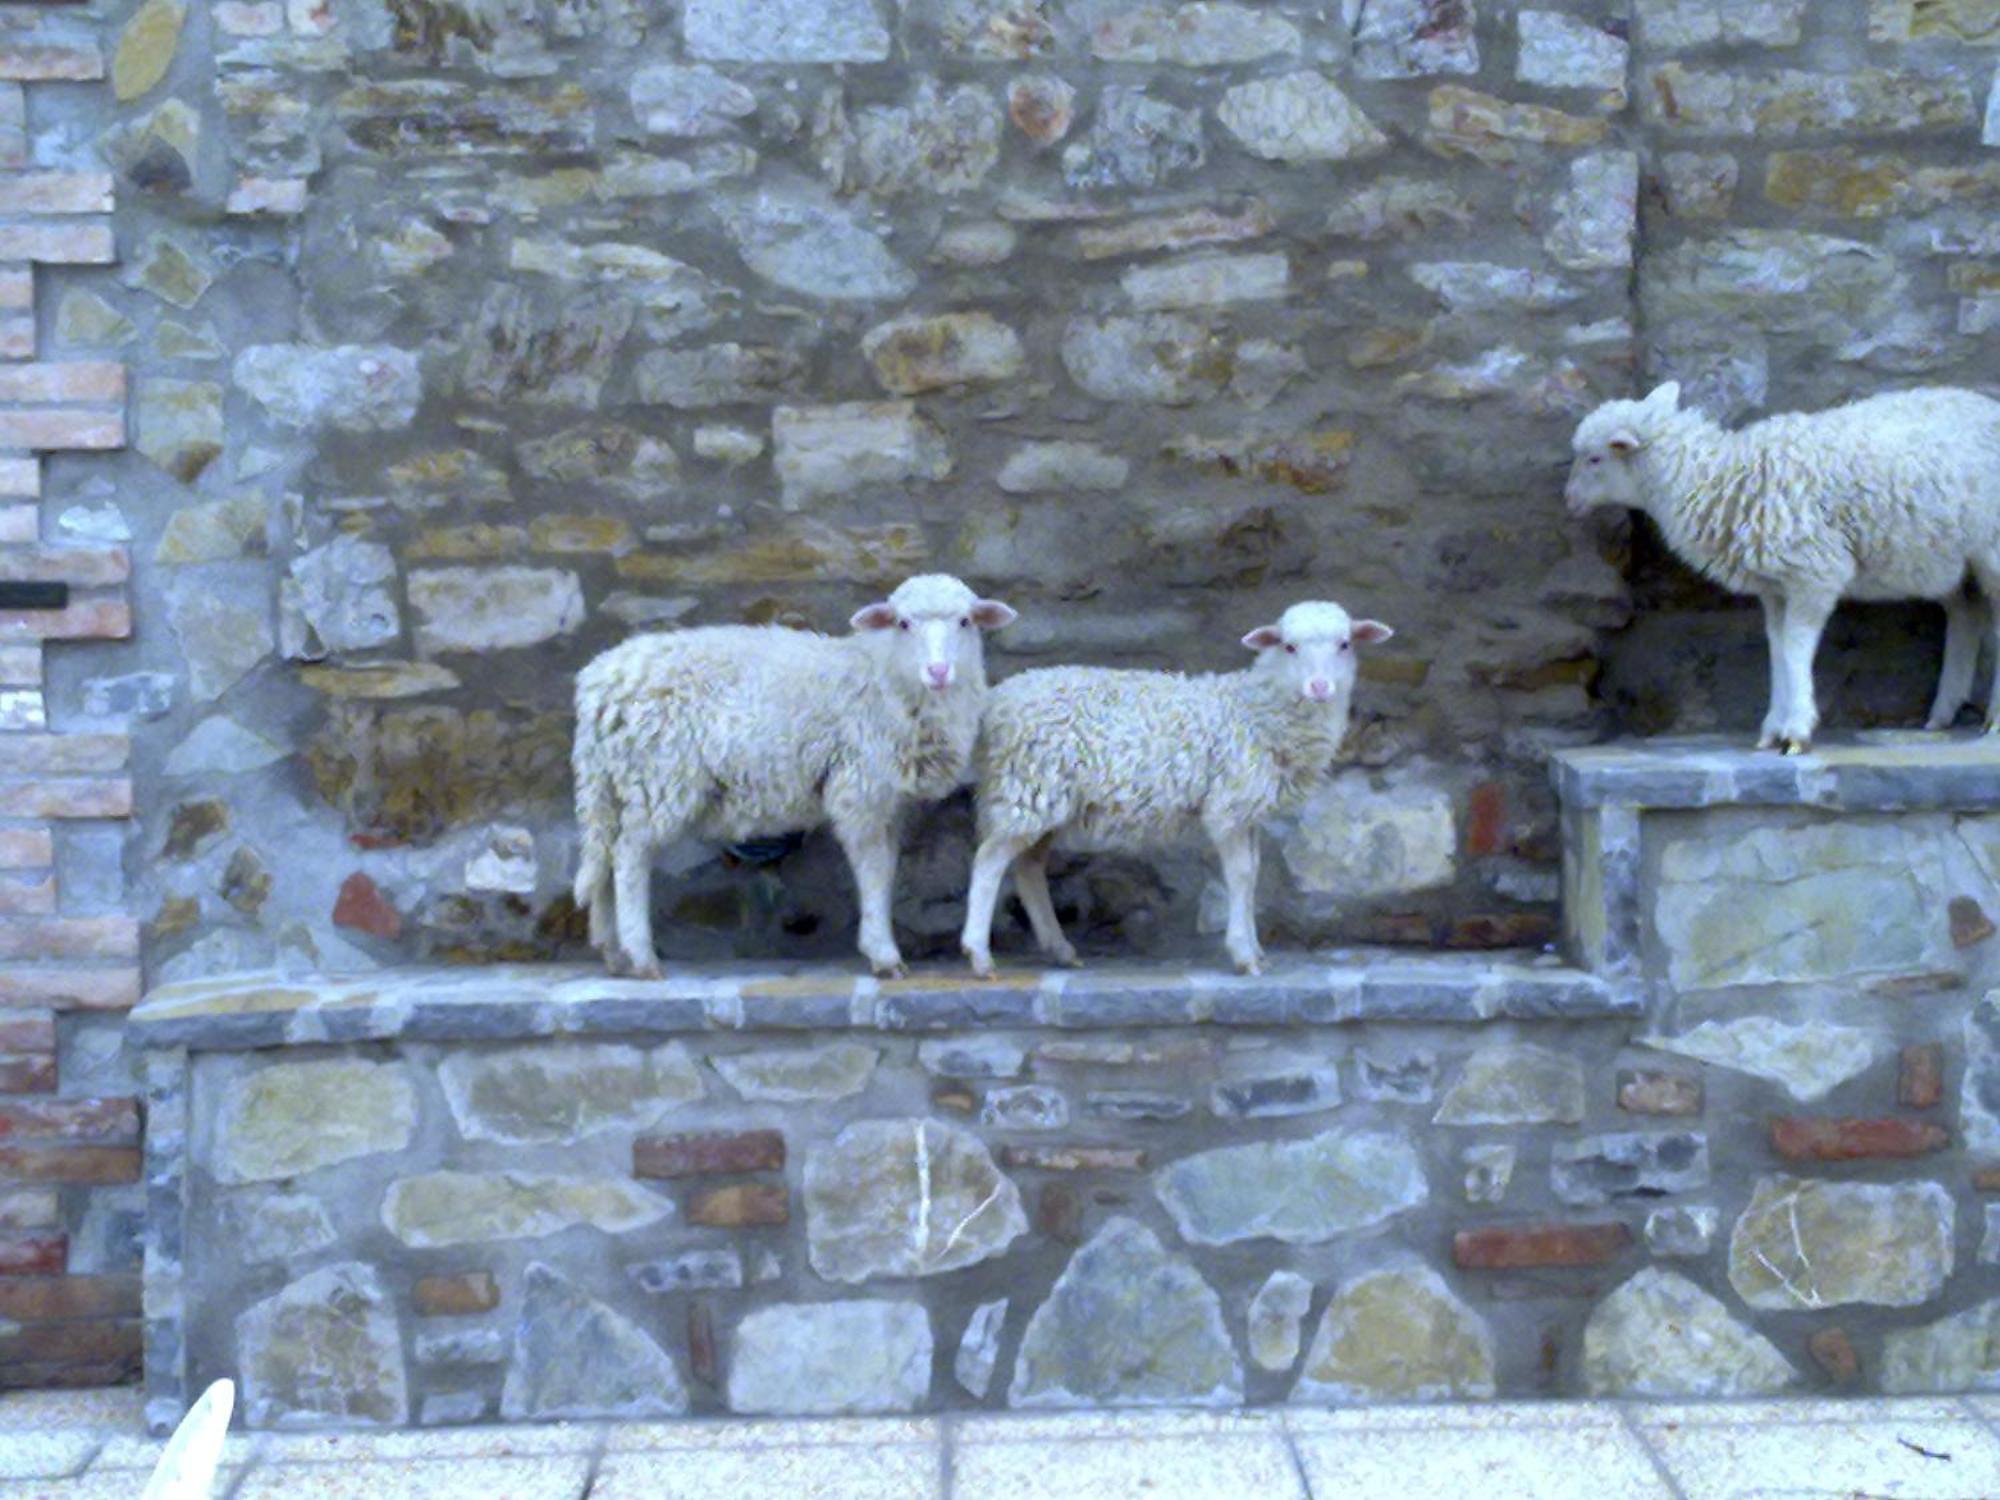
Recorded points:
(734, 732)
(1088, 758)
(1894, 497)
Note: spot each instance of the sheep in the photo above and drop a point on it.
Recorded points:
(1892, 497)
(1092, 758)
(734, 732)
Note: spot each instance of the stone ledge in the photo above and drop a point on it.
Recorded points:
(1874, 771)
(241, 1011)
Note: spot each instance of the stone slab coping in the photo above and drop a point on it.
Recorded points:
(475, 1003)
(1873, 771)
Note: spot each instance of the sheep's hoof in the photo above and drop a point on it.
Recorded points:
(1992, 727)
(1768, 740)
(1065, 958)
(648, 970)
(1250, 966)
(1793, 744)
(982, 964)
(894, 968)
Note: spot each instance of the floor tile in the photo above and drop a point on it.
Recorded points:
(125, 1452)
(548, 1478)
(1112, 1468)
(1546, 1462)
(1767, 1413)
(1918, 1459)
(1504, 1416)
(819, 1471)
(521, 1440)
(47, 1455)
(119, 1485)
(763, 1432)
(115, 1406)
(1026, 1427)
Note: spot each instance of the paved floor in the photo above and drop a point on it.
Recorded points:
(89, 1446)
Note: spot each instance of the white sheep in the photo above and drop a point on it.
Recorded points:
(733, 732)
(1893, 497)
(1090, 758)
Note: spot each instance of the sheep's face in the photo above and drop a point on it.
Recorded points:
(1603, 470)
(931, 628)
(1312, 649)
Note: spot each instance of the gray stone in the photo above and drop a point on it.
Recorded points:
(906, 1198)
(1508, 1084)
(1686, 1229)
(575, 1357)
(1397, 1334)
(449, 1408)
(461, 1346)
(353, 387)
(1480, 286)
(1398, 208)
(939, 143)
(1030, 1106)
(437, 1209)
(1989, 1239)
(1412, 38)
(493, 609)
(1604, 1168)
(1212, 33)
(562, 1092)
(1208, 279)
(1979, 1092)
(1597, 214)
(1958, 1353)
(1489, 1171)
(1674, 25)
(785, 31)
(690, 1271)
(220, 746)
(606, 455)
(1809, 1059)
(1127, 1325)
(979, 1347)
(1302, 1192)
(668, 99)
(272, 1225)
(180, 425)
(505, 861)
(972, 1057)
(1276, 1315)
(986, 243)
(1136, 1104)
(1134, 141)
(325, 1350)
(1036, 468)
(339, 597)
(728, 445)
(136, 695)
(1778, 280)
(1809, 1244)
(543, 354)
(1405, 1078)
(1289, 1091)
(1700, 184)
(795, 1075)
(1163, 357)
(718, 375)
(799, 1359)
(1558, 51)
(832, 450)
(1357, 840)
(818, 249)
(912, 355)
(1661, 1335)
(1299, 117)
(1989, 134)
(291, 1118)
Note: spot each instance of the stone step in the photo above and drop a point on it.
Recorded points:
(265, 1009)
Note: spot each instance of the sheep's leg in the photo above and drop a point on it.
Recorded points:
(1031, 884)
(989, 867)
(1774, 641)
(871, 853)
(603, 928)
(632, 881)
(1237, 848)
(1805, 620)
(1961, 656)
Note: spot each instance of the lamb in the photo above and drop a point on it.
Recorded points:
(1892, 497)
(733, 732)
(1090, 758)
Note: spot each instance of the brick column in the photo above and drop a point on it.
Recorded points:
(59, 1329)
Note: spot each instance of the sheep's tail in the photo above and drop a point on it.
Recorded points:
(596, 812)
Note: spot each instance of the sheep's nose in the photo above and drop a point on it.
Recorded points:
(939, 673)
(1319, 690)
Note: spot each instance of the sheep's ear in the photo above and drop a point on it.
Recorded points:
(1264, 637)
(877, 616)
(1624, 442)
(991, 614)
(1665, 397)
(1371, 632)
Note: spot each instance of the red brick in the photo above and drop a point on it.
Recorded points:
(34, 1375)
(1075, 1158)
(32, 1074)
(69, 937)
(26, 849)
(1804, 1138)
(24, 898)
(67, 797)
(33, 1254)
(60, 1299)
(70, 989)
(56, 193)
(1059, 1213)
(1833, 1352)
(27, 1031)
(93, 1165)
(20, 525)
(1485, 819)
(57, 429)
(362, 906)
(1969, 923)
(1644, 1093)
(1505, 929)
(1920, 1079)
(67, 380)
(86, 1121)
(701, 1342)
(81, 567)
(21, 476)
(64, 754)
(745, 1205)
(1513, 1247)
(72, 243)
(84, 620)
(708, 1152)
(71, 61)
(71, 1343)
(30, 1208)
(1986, 1179)
(458, 1296)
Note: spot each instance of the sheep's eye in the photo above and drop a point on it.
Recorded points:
(1346, 645)
(1291, 650)
(902, 624)
(1597, 458)
(964, 621)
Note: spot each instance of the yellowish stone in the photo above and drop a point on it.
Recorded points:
(146, 49)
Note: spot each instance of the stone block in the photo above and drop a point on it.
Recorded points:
(563, 1092)
(906, 1198)
(1605, 1168)
(740, 1206)
(459, 1295)
(1661, 1335)
(1648, 1093)
(1397, 1334)
(291, 1118)
(831, 1358)
(437, 1210)
(574, 1357)
(1299, 1192)
(326, 1349)
(1804, 1244)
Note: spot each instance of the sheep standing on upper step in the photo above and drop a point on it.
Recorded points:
(1893, 497)
(734, 732)
(1088, 758)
